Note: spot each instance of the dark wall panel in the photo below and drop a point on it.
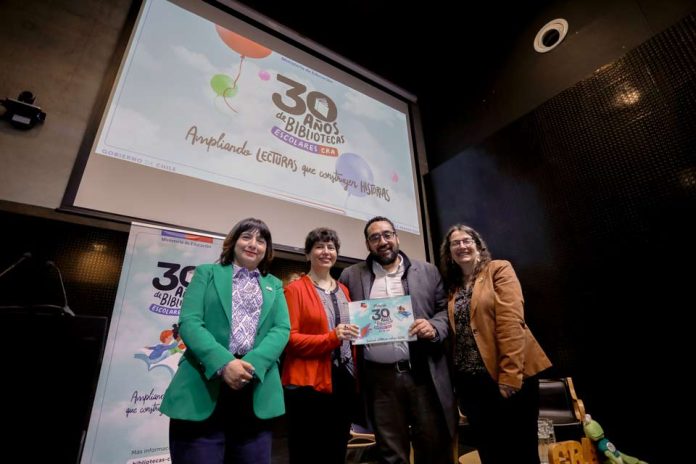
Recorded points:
(592, 197)
(513, 79)
(53, 360)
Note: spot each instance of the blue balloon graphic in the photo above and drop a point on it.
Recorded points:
(352, 167)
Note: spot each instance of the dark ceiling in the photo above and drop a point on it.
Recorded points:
(445, 53)
(416, 49)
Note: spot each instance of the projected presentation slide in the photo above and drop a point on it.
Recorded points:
(214, 105)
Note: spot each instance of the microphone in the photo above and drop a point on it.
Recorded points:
(24, 257)
(66, 309)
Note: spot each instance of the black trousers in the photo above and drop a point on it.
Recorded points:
(319, 423)
(231, 435)
(505, 430)
(405, 408)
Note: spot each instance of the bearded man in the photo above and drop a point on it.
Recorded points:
(406, 385)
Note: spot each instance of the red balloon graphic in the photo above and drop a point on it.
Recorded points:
(241, 44)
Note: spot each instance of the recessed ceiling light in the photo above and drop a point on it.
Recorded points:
(550, 35)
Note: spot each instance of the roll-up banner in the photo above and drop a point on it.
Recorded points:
(143, 346)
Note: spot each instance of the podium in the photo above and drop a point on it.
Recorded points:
(51, 367)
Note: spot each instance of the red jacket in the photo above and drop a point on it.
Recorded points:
(308, 352)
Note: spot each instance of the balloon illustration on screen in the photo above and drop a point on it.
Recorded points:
(225, 86)
(356, 170)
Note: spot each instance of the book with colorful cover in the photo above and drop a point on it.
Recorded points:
(382, 320)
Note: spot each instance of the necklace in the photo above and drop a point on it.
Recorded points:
(325, 290)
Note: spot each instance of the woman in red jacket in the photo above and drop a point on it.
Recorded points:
(318, 371)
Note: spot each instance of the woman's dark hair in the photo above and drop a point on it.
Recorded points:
(321, 234)
(451, 272)
(245, 225)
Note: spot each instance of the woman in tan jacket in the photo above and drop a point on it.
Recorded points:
(496, 358)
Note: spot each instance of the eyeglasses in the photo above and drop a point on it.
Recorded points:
(463, 242)
(386, 235)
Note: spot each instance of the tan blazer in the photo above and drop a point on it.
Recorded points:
(507, 346)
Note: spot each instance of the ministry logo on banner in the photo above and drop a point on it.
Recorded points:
(144, 347)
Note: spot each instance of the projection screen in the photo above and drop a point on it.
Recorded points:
(211, 119)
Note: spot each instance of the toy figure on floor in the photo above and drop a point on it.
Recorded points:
(606, 448)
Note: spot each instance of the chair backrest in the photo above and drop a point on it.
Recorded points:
(559, 402)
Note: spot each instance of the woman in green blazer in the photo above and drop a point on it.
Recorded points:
(234, 322)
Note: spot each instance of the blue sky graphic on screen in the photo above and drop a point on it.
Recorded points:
(228, 110)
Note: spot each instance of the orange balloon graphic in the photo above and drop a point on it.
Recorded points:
(241, 44)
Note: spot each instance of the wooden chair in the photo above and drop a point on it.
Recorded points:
(572, 451)
(359, 443)
(559, 402)
(578, 405)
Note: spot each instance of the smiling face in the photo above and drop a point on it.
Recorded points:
(249, 249)
(382, 242)
(464, 250)
(322, 256)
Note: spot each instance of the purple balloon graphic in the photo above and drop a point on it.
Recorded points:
(264, 75)
(353, 167)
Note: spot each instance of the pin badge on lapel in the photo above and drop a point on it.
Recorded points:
(269, 289)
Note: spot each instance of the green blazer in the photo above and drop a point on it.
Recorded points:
(204, 326)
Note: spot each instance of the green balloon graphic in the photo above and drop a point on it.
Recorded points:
(223, 85)
(230, 92)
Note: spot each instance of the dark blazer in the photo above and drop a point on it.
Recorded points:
(422, 281)
(204, 326)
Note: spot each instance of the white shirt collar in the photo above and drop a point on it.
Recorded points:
(380, 271)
